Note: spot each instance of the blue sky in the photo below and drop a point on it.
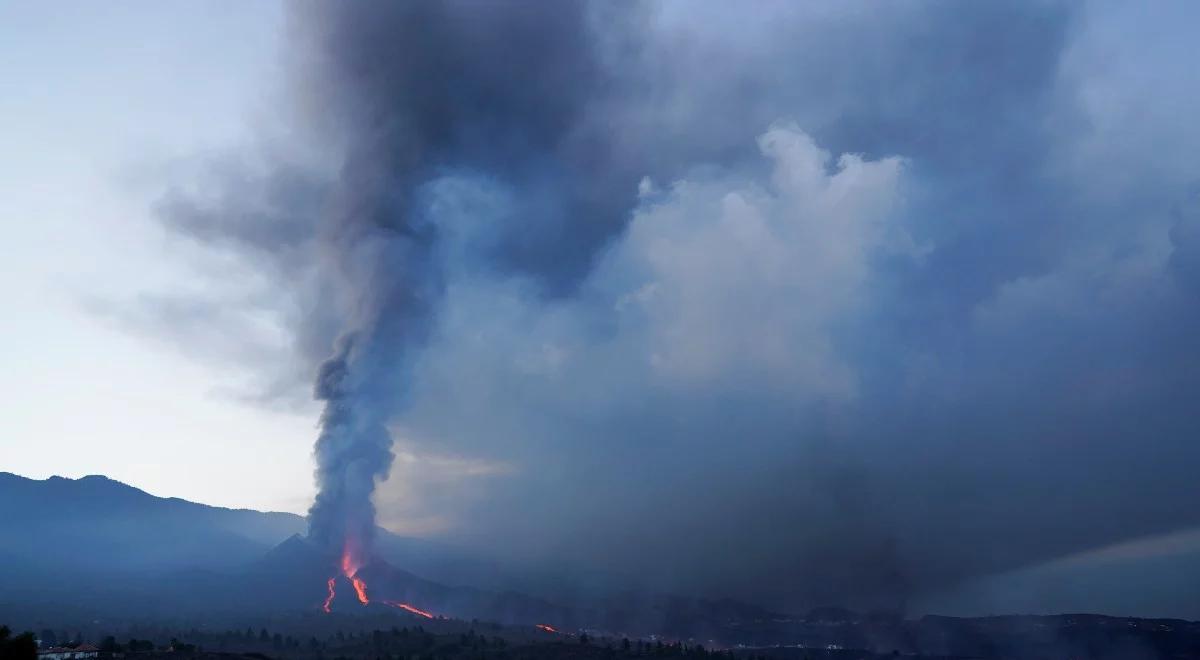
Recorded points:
(99, 100)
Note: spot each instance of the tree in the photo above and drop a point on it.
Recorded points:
(21, 647)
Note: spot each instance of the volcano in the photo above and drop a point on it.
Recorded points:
(105, 549)
(297, 574)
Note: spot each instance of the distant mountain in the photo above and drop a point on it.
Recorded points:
(98, 543)
(95, 546)
(98, 524)
(95, 526)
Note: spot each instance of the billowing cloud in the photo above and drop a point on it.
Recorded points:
(834, 304)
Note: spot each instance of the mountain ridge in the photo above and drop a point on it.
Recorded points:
(95, 543)
(87, 479)
(62, 511)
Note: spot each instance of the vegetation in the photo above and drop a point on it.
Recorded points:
(415, 643)
(20, 647)
(316, 637)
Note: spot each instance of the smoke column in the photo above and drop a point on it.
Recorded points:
(491, 90)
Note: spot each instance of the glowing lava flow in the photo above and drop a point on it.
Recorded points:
(329, 598)
(350, 565)
(360, 589)
(408, 608)
(549, 629)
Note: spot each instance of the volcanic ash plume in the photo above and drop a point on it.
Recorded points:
(352, 452)
(382, 265)
(357, 385)
(456, 100)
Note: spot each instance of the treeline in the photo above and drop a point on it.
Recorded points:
(655, 648)
(17, 647)
(415, 643)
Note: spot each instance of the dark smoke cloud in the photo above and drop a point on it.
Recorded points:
(611, 268)
(421, 91)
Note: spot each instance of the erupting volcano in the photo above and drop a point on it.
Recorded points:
(349, 565)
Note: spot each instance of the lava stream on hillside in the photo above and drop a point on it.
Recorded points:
(350, 563)
(408, 608)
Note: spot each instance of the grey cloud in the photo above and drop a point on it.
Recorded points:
(971, 353)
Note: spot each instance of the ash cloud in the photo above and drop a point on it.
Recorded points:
(418, 90)
(820, 305)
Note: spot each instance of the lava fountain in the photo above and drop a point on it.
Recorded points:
(351, 562)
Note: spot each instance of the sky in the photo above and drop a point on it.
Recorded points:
(824, 302)
(95, 105)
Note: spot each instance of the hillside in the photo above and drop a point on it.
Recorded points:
(97, 524)
(93, 546)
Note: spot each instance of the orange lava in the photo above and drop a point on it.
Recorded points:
(351, 562)
(360, 588)
(549, 629)
(408, 608)
(329, 598)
